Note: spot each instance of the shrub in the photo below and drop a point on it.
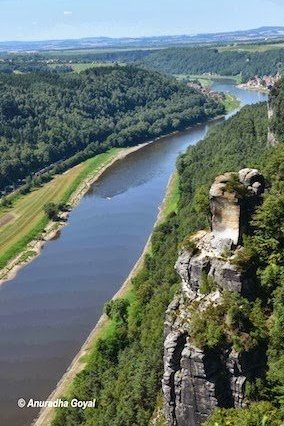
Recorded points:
(6, 202)
(117, 309)
(235, 186)
(207, 285)
(206, 327)
(257, 414)
(51, 210)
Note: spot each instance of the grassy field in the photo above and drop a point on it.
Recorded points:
(231, 102)
(71, 52)
(251, 47)
(28, 217)
(171, 201)
(206, 80)
(83, 66)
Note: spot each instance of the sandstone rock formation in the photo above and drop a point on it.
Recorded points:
(198, 380)
(271, 138)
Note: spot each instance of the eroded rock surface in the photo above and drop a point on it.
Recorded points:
(271, 137)
(198, 380)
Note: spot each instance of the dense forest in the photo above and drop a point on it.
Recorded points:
(47, 117)
(276, 103)
(211, 60)
(125, 368)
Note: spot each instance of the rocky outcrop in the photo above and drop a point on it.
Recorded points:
(232, 196)
(196, 380)
(271, 137)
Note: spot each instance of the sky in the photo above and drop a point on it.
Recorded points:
(59, 19)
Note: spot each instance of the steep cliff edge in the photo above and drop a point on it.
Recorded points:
(271, 137)
(211, 350)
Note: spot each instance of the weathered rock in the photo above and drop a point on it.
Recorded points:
(195, 380)
(228, 207)
(271, 137)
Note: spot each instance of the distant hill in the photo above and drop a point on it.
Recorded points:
(260, 34)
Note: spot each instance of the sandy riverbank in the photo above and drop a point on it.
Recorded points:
(51, 230)
(46, 414)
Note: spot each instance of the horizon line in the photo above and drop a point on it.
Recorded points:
(142, 37)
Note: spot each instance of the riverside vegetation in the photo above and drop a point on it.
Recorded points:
(125, 367)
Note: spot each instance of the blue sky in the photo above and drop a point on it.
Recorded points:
(50, 19)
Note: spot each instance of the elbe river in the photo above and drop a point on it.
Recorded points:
(49, 309)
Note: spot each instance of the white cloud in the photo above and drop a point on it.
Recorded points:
(67, 12)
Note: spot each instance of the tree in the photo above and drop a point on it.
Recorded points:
(117, 309)
(6, 202)
(51, 210)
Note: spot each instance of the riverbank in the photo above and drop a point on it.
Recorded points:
(207, 79)
(168, 206)
(248, 86)
(79, 183)
(24, 251)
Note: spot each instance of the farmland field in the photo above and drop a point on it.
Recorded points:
(243, 47)
(70, 52)
(78, 67)
(26, 216)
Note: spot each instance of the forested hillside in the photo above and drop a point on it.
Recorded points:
(210, 60)
(125, 368)
(47, 117)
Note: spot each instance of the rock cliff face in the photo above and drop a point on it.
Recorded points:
(196, 380)
(271, 138)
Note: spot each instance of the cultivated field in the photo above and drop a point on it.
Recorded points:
(72, 52)
(84, 66)
(252, 47)
(25, 219)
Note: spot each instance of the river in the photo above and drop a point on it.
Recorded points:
(49, 309)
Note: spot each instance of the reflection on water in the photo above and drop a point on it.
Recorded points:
(48, 310)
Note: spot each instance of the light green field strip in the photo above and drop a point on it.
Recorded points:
(28, 210)
(172, 197)
(84, 66)
(231, 102)
(252, 47)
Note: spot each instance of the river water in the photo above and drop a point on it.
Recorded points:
(48, 310)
